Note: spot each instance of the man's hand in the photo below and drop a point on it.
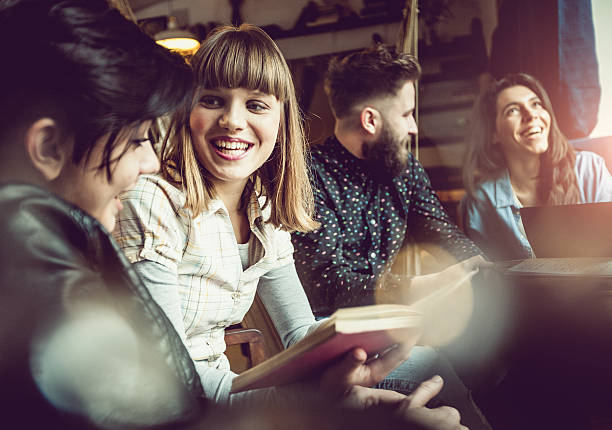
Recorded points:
(408, 290)
(356, 369)
(476, 262)
(413, 409)
(410, 408)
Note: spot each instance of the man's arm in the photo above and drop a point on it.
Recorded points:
(429, 224)
(328, 278)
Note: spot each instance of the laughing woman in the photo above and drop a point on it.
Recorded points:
(518, 157)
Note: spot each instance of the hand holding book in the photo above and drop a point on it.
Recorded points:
(356, 369)
(409, 290)
(372, 329)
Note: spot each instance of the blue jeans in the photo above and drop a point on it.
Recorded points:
(425, 362)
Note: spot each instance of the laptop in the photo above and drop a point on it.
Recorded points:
(579, 230)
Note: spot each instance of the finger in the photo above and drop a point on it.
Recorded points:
(443, 418)
(388, 361)
(355, 358)
(447, 418)
(425, 392)
(448, 414)
(385, 396)
(339, 377)
(363, 397)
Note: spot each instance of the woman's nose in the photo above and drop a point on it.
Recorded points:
(233, 118)
(149, 163)
(529, 112)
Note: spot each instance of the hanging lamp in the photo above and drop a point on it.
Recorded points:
(175, 39)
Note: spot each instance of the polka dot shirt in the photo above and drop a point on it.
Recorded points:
(363, 225)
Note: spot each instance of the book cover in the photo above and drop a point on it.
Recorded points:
(374, 328)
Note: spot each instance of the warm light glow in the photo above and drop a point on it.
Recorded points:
(182, 44)
(175, 39)
(602, 15)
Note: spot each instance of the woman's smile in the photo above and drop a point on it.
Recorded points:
(234, 131)
(231, 148)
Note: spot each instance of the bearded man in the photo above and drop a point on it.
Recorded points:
(371, 194)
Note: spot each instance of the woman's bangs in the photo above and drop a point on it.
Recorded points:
(239, 65)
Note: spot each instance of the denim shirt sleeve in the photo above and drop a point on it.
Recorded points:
(492, 219)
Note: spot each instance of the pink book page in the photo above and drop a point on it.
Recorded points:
(312, 361)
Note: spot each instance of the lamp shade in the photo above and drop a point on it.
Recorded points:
(176, 39)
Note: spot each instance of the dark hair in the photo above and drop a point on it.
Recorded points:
(362, 76)
(557, 182)
(83, 63)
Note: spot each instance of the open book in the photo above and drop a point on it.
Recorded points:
(558, 267)
(374, 328)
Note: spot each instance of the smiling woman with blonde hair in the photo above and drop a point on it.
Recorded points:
(518, 157)
(212, 230)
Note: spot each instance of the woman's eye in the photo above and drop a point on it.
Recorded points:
(257, 106)
(138, 143)
(512, 111)
(211, 102)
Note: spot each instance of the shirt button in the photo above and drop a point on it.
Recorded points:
(236, 295)
(373, 255)
(373, 222)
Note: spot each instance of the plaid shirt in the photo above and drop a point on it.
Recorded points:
(214, 290)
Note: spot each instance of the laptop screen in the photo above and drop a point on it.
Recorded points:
(579, 230)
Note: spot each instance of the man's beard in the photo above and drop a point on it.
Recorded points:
(388, 155)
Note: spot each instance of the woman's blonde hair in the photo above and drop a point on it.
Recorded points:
(484, 160)
(246, 57)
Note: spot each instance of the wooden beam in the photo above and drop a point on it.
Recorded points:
(141, 4)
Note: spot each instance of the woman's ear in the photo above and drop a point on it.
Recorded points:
(45, 145)
(494, 138)
(370, 120)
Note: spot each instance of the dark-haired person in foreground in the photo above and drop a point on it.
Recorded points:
(82, 340)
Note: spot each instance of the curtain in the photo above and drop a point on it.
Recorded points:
(553, 40)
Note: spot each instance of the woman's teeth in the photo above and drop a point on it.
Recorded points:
(534, 130)
(221, 144)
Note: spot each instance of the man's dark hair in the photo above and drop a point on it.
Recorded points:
(86, 66)
(364, 75)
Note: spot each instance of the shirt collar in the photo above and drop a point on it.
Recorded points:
(343, 155)
(504, 195)
(254, 212)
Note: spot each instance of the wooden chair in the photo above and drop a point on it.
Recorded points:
(257, 317)
(251, 341)
(256, 334)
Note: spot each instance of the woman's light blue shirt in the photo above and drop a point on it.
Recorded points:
(492, 219)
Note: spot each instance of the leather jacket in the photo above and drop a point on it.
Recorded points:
(51, 250)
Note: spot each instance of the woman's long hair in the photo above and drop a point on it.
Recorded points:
(557, 183)
(246, 57)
